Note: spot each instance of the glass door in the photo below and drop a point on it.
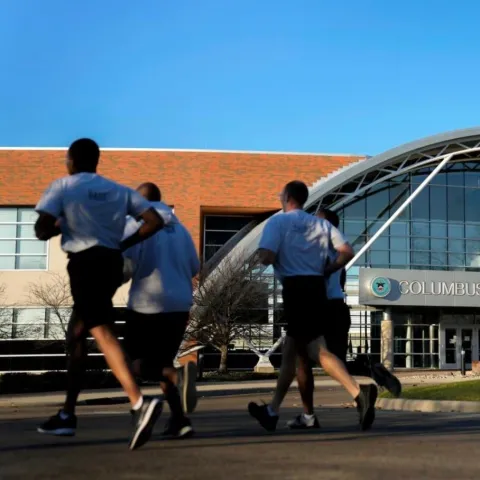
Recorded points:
(454, 340)
(450, 359)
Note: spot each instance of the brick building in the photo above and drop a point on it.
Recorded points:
(215, 194)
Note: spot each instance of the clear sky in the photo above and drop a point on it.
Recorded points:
(336, 76)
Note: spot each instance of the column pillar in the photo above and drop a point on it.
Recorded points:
(386, 350)
(431, 332)
(409, 344)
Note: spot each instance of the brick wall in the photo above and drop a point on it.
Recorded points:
(192, 181)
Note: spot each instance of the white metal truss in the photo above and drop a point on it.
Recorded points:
(355, 187)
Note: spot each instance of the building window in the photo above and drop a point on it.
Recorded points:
(33, 323)
(218, 229)
(19, 248)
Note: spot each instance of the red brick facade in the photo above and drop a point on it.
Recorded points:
(194, 182)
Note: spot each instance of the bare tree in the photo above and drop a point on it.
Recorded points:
(6, 314)
(228, 304)
(54, 294)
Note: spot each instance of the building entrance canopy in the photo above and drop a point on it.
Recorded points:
(427, 288)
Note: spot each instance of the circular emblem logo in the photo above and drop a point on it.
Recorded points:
(381, 287)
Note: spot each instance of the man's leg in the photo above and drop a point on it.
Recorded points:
(306, 386)
(76, 363)
(267, 415)
(365, 396)
(64, 423)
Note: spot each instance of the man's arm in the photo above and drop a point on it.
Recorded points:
(270, 242)
(265, 256)
(342, 247)
(152, 223)
(49, 209)
(46, 226)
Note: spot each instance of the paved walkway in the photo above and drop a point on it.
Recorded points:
(214, 389)
(230, 445)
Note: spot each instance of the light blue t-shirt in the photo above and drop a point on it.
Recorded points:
(333, 282)
(162, 267)
(301, 243)
(92, 210)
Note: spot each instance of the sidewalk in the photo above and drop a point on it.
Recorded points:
(209, 389)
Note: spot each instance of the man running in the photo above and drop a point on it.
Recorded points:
(336, 337)
(90, 211)
(297, 245)
(159, 302)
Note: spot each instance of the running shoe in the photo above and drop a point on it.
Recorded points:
(384, 378)
(302, 422)
(188, 387)
(366, 405)
(181, 428)
(263, 417)
(144, 420)
(59, 425)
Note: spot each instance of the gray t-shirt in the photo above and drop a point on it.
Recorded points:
(92, 210)
(301, 243)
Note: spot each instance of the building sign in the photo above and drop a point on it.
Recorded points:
(419, 288)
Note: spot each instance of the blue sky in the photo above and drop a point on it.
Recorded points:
(339, 76)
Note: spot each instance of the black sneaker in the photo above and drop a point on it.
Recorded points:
(384, 378)
(178, 428)
(366, 405)
(144, 420)
(260, 413)
(300, 422)
(56, 425)
(188, 387)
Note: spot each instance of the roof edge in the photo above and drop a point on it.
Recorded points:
(192, 150)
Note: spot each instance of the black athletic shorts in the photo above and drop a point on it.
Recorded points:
(337, 328)
(304, 300)
(155, 338)
(95, 275)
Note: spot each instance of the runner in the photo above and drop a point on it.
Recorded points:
(336, 337)
(160, 298)
(90, 211)
(297, 245)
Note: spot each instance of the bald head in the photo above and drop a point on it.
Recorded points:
(150, 191)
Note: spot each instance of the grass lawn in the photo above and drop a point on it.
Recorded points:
(465, 391)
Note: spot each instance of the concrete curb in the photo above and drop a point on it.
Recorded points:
(427, 406)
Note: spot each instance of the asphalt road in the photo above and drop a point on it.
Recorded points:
(230, 445)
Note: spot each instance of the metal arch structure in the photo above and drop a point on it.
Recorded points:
(350, 182)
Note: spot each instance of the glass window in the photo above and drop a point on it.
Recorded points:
(398, 194)
(456, 246)
(472, 246)
(399, 228)
(420, 243)
(379, 258)
(438, 230)
(31, 262)
(420, 258)
(399, 243)
(438, 245)
(7, 263)
(8, 215)
(18, 241)
(439, 259)
(456, 230)
(438, 202)
(378, 201)
(8, 231)
(456, 204)
(356, 209)
(218, 238)
(352, 227)
(399, 258)
(226, 222)
(6, 323)
(30, 323)
(472, 231)
(420, 229)
(472, 201)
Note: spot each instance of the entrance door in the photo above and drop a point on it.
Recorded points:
(453, 340)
